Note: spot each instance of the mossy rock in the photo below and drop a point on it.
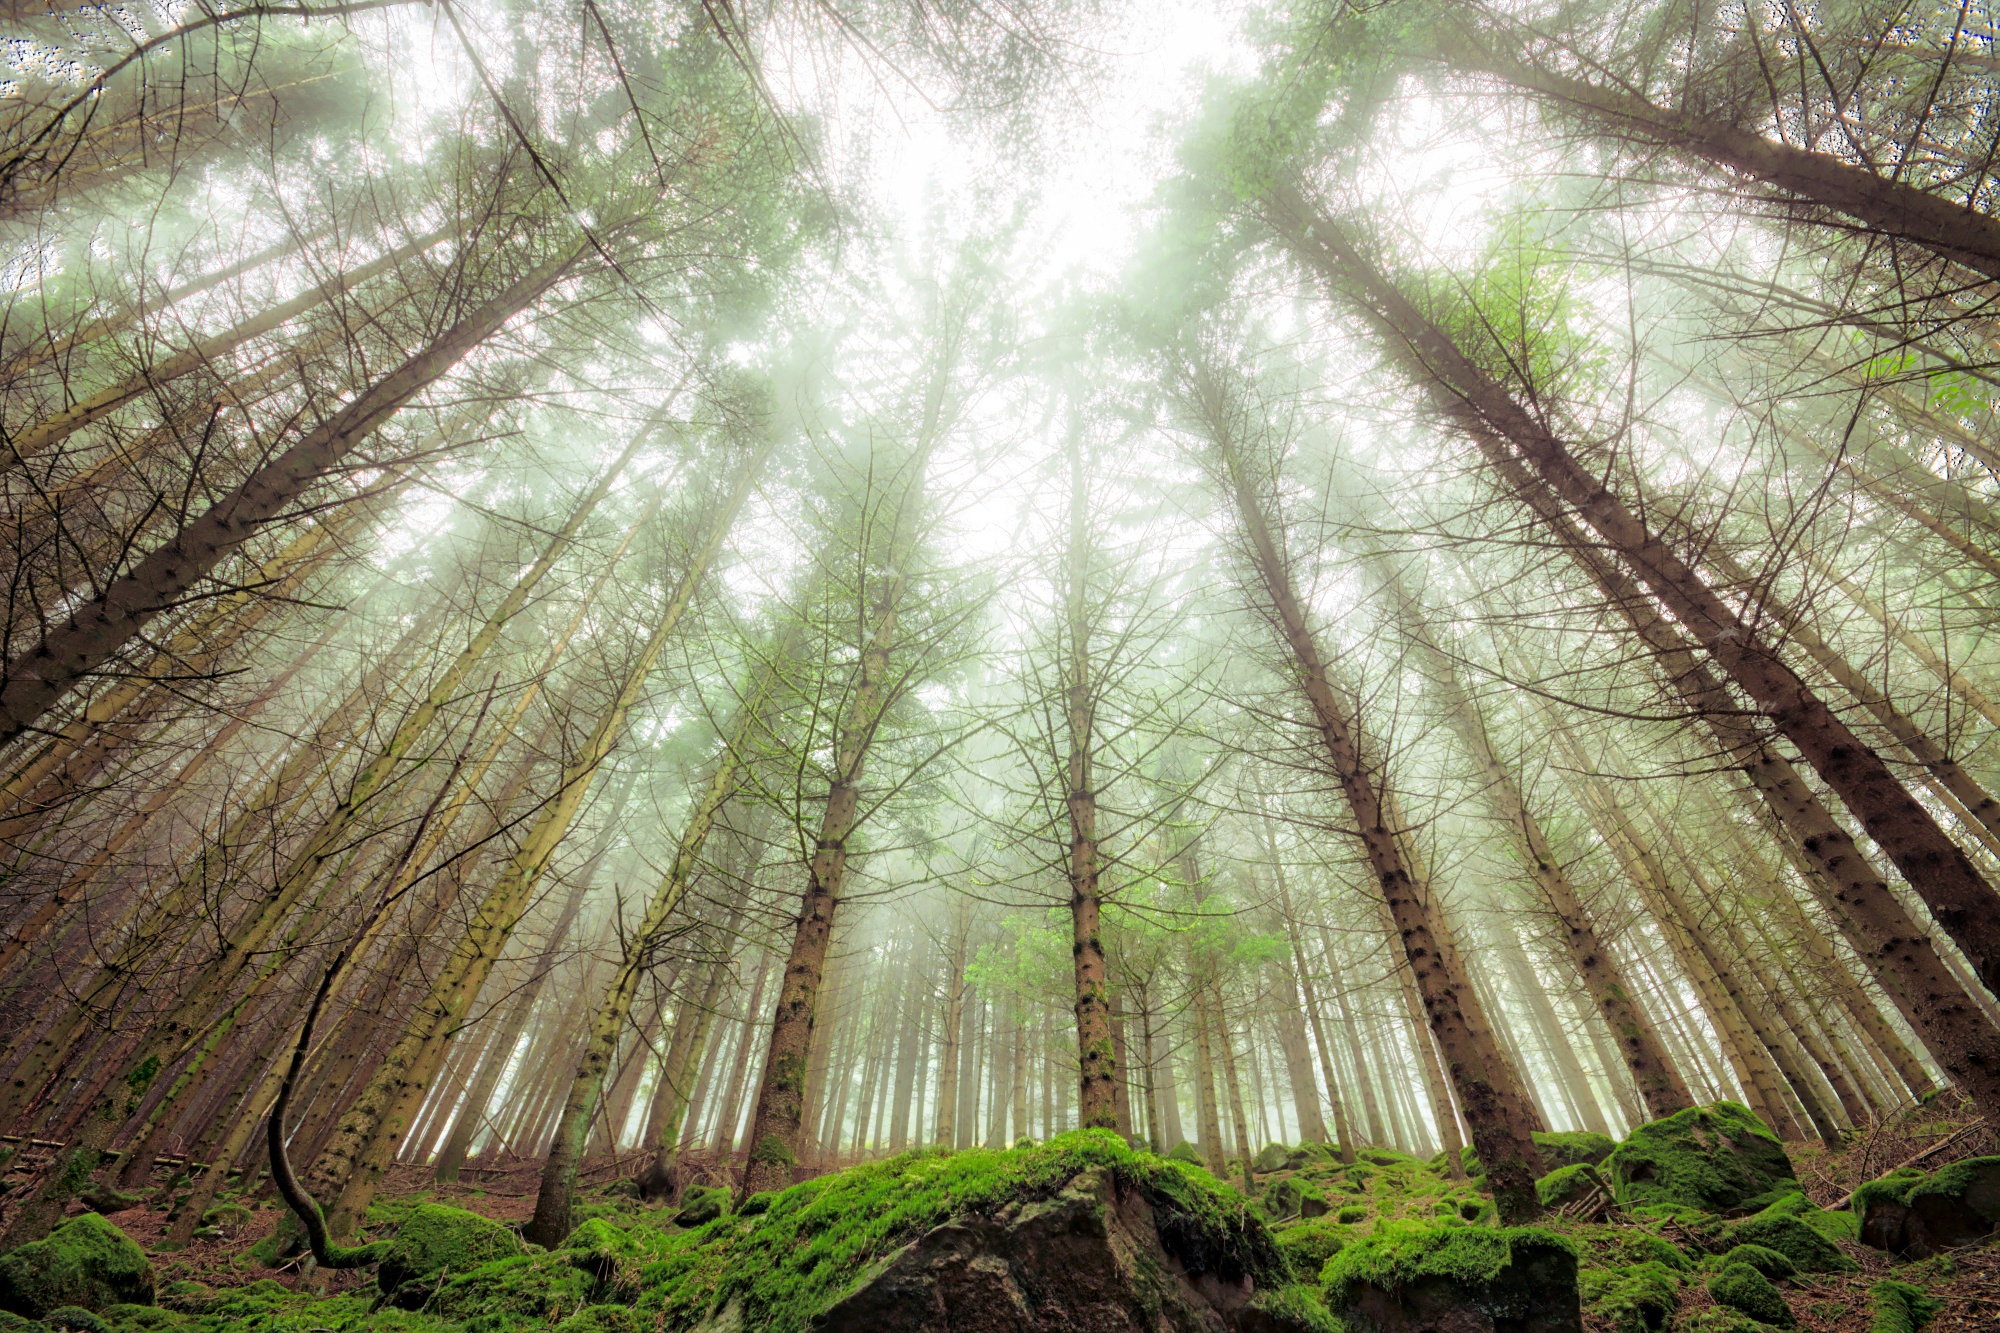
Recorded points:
(1771, 1263)
(1308, 1245)
(1916, 1215)
(1284, 1197)
(1385, 1157)
(1898, 1307)
(757, 1204)
(527, 1289)
(74, 1319)
(1745, 1290)
(1719, 1159)
(1417, 1273)
(187, 1297)
(1570, 1184)
(86, 1262)
(1272, 1157)
(13, 1323)
(228, 1215)
(1836, 1227)
(1644, 1247)
(603, 1319)
(141, 1317)
(702, 1205)
(1638, 1298)
(1185, 1152)
(1809, 1251)
(438, 1241)
(1351, 1214)
(1719, 1319)
(1573, 1147)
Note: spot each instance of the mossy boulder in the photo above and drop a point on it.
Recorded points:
(1770, 1263)
(527, 1290)
(1640, 1247)
(1898, 1307)
(1418, 1274)
(1308, 1245)
(702, 1205)
(1576, 1147)
(1808, 1250)
(85, 1263)
(1745, 1290)
(1719, 1319)
(1718, 1159)
(74, 1319)
(1570, 1184)
(1186, 1152)
(435, 1242)
(1272, 1157)
(1915, 1215)
(603, 1319)
(1284, 1197)
(140, 1318)
(1637, 1298)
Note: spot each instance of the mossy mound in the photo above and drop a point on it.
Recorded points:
(1570, 1184)
(1272, 1157)
(1718, 1159)
(1409, 1273)
(1186, 1152)
(818, 1240)
(1898, 1307)
(1308, 1245)
(1638, 1298)
(1745, 1290)
(1576, 1147)
(1808, 1250)
(527, 1291)
(1770, 1263)
(1915, 1215)
(435, 1241)
(85, 1263)
(702, 1205)
(603, 1319)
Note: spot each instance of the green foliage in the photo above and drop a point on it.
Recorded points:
(435, 1239)
(1645, 1247)
(1747, 1291)
(1284, 1197)
(141, 1317)
(1834, 1227)
(85, 1262)
(1771, 1263)
(1898, 1307)
(1185, 1152)
(1719, 1319)
(782, 1267)
(1711, 1158)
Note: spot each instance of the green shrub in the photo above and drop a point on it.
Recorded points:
(1713, 1158)
(1747, 1291)
(86, 1263)
(1898, 1307)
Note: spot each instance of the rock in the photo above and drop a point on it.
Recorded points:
(1899, 1307)
(537, 1289)
(1095, 1258)
(1915, 1215)
(1186, 1152)
(1308, 1245)
(1571, 1184)
(1313, 1205)
(1284, 1197)
(1808, 1251)
(1271, 1157)
(1639, 1298)
(602, 1319)
(72, 1319)
(1745, 1290)
(436, 1242)
(757, 1204)
(1770, 1263)
(1577, 1147)
(702, 1205)
(1413, 1277)
(86, 1263)
(1718, 1159)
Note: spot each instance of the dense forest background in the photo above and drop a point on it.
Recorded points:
(700, 593)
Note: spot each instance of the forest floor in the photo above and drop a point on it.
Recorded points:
(244, 1284)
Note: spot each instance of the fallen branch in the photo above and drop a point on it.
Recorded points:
(1932, 1151)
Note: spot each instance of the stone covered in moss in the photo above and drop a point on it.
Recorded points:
(702, 1205)
(1719, 1319)
(1745, 1290)
(1186, 1152)
(74, 1319)
(1898, 1307)
(86, 1262)
(1639, 1298)
(436, 1241)
(1284, 1197)
(1412, 1274)
(1770, 1263)
(1576, 1147)
(1644, 1247)
(1308, 1245)
(1271, 1157)
(603, 1319)
(1915, 1215)
(1718, 1159)
(1809, 1251)
(1570, 1184)
(527, 1291)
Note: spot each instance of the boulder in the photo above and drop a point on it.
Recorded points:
(1571, 1184)
(1638, 1298)
(1718, 1159)
(1440, 1278)
(1576, 1147)
(1899, 1307)
(1808, 1250)
(1741, 1288)
(435, 1243)
(85, 1263)
(1272, 1157)
(603, 1319)
(702, 1205)
(74, 1319)
(1095, 1258)
(1915, 1215)
(1771, 1263)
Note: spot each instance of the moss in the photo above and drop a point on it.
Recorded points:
(1898, 1307)
(187, 1297)
(1297, 1306)
(1272, 1157)
(1308, 1245)
(85, 1262)
(782, 1267)
(13, 1323)
(141, 1317)
(434, 1240)
(1894, 1187)
(1719, 1319)
(1809, 1251)
(1577, 1147)
(1400, 1253)
(602, 1319)
(1352, 1215)
(757, 1204)
(1285, 1197)
(1747, 1291)
(1834, 1227)
(1771, 1263)
(1638, 1298)
(1715, 1158)
(1386, 1157)
(1186, 1152)
(1644, 1247)
(1568, 1184)
(529, 1290)
(700, 1206)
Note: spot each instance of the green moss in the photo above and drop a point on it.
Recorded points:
(1308, 1245)
(1898, 1307)
(1894, 1187)
(817, 1239)
(1719, 1319)
(757, 1204)
(1284, 1197)
(1644, 1247)
(1297, 1306)
(1713, 1158)
(1386, 1157)
(434, 1239)
(602, 1319)
(1576, 1147)
(1272, 1157)
(85, 1262)
(1770, 1263)
(1639, 1298)
(1567, 1184)
(13, 1323)
(1809, 1251)
(73, 1319)
(527, 1291)
(1352, 1215)
(141, 1317)
(1397, 1254)
(1835, 1227)
(700, 1206)
(1747, 1291)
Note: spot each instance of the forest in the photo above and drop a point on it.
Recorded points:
(1243, 666)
